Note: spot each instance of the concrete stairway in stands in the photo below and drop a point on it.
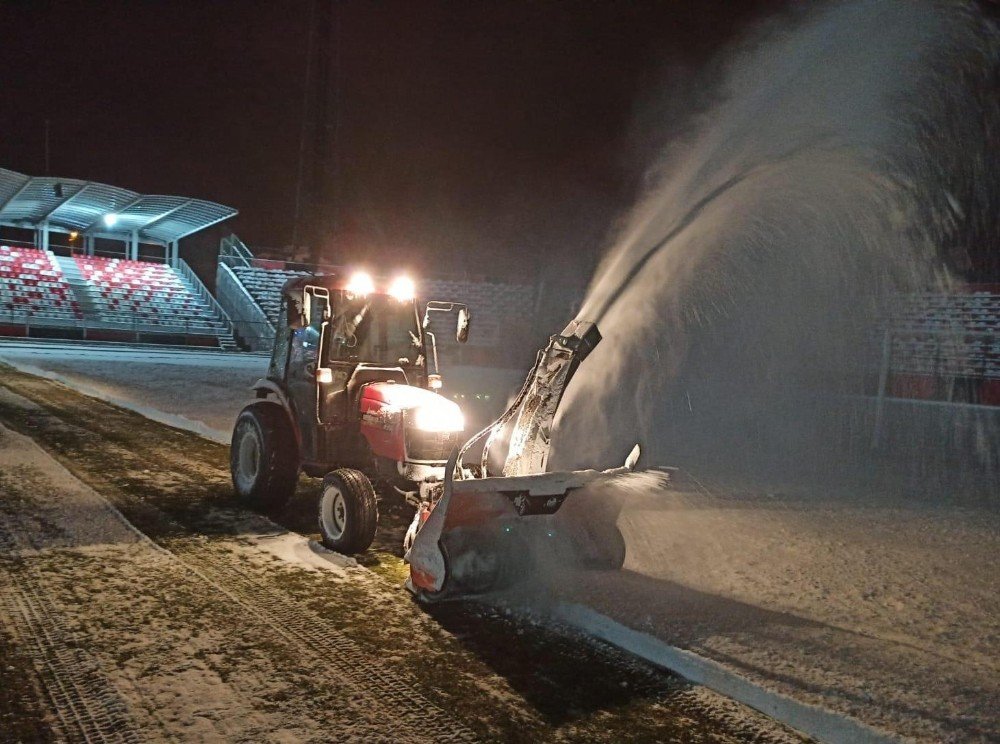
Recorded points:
(81, 288)
(227, 341)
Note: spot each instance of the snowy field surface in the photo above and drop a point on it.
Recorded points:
(197, 390)
(203, 391)
(872, 605)
(880, 608)
(122, 622)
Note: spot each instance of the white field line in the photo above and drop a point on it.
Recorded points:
(170, 419)
(819, 723)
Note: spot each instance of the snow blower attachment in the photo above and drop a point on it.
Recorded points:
(473, 532)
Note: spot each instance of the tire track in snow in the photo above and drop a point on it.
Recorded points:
(318, 639)
(86, 705)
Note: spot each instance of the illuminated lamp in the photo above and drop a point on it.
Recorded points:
(402, 289)
(361, 284)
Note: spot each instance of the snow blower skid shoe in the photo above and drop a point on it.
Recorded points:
(474, 535)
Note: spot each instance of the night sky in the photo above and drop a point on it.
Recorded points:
(470, 137)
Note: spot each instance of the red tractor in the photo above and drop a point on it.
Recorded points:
(350, 397)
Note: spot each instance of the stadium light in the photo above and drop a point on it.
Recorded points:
(110, 219)
(402, 289)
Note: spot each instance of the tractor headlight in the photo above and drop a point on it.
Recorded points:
(361, 284)
(443, 416)
(402, 289)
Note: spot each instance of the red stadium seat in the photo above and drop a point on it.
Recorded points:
(144, 292)
(34, 284)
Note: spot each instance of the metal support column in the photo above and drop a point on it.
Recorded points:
(45, 235)
(883, 380)
(133, 252)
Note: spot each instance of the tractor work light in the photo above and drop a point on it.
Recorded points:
(402, 289)
(361, 284)
(442, 416)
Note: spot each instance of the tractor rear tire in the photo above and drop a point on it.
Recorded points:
(263, 457)
(348, 511)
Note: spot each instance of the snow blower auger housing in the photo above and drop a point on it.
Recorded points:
(349, 397)
(473, 534)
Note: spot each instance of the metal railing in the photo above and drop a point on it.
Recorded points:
(233, 252)
(949, 355)
(134, 325)
(202, 291)
(249, 320)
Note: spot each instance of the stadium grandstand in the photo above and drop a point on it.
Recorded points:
(944, 347)
(934, 360)
(935, 364)
(103, 263)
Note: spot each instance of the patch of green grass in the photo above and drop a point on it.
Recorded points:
(385, 565)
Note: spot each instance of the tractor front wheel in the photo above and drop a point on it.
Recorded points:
(348, 512)
(263, 458)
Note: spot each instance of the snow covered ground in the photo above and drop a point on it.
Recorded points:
(203, 391)
(864, 602)
(869, 604)
(198, 390)
(222, 626)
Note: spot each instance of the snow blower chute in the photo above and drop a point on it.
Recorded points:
(471, 533)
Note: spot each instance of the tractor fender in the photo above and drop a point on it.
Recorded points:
(265, 389)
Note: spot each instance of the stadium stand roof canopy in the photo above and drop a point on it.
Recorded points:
(99, 210)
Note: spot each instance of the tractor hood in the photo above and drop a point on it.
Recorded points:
(399, 396)
(425, 410)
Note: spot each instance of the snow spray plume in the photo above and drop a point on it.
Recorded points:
(737, 303)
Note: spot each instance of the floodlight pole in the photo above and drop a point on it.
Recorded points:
(48, 170)
(321, 122)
